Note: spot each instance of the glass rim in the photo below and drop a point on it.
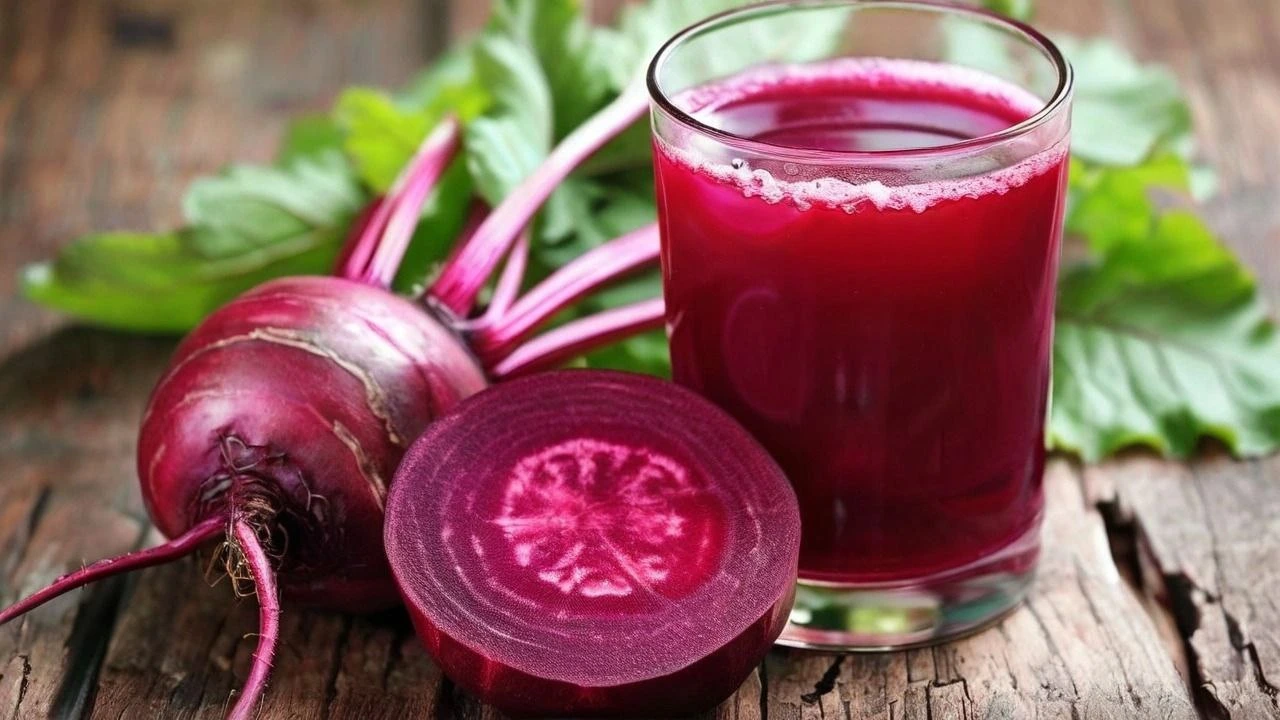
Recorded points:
(1050, 108)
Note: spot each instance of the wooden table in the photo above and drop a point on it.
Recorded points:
(1158, 596)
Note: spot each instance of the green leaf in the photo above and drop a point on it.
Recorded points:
(644, 27)
(249, 208)
(792, 37)
(381, 136)
(1124, 112)
(1016, 9)
(383, 133)
(586, 213)
(631, 150)
(162, 283)
(645, 353)
(577, 59)
(509, 141)
(986, 47)
(1163, 342)
(309, 135)
(1111, 205)
(603, 212)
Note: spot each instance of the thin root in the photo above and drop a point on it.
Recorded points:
(178, 547)
(253, 559)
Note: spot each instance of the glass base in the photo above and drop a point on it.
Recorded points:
(925, 611)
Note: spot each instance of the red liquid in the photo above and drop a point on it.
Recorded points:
(888, 342)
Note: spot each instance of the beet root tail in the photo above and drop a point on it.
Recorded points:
(176, 548)
(264, 580)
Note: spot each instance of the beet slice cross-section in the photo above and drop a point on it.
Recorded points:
(592, 543)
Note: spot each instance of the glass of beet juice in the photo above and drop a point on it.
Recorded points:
(861, 205)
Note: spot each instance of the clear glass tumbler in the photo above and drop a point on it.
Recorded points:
(861, 206)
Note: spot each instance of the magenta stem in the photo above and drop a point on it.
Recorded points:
(346, 265)
(264, 581)
(508, 287)
(376, 253)
(357, 260)
(467, 272)
(178, 547)
(587, 273)
(575, 338)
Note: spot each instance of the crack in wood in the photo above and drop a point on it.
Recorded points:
(1122, 528)
(764, 690)
(32, 521)
(87, 647)
(331, 682)
(23, 683)
(827, 683)
(404, 633)
(1182, 591)
(445, 707)
(38, 509)
(1250, 651)
(1193, 607)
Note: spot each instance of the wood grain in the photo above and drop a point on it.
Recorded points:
(1208, 533)
(1081, 647)
(107, 109)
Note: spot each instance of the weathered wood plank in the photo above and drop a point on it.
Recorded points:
(1211, 532)
(1082, 647)
(61, 404)
(186, 658)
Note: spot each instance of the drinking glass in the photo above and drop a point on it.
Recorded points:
(861, 206)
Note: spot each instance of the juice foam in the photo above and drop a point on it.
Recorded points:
(1007, 104)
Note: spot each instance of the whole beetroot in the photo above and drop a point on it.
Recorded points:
(290, 408)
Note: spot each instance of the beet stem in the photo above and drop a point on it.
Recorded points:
(584, 275)
(178, 547)
(580, 336)
(508, 287)
(467, 272)
(376, 254)
(355, 236)
(264, 580)
(476, 216)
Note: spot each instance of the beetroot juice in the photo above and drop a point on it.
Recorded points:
(885, 332)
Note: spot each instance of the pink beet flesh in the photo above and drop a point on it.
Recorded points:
(588, 543)
(299, 399)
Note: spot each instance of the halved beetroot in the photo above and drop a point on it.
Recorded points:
(590, 543)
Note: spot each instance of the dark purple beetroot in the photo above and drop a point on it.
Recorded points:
(292, 405)
(590, 543)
